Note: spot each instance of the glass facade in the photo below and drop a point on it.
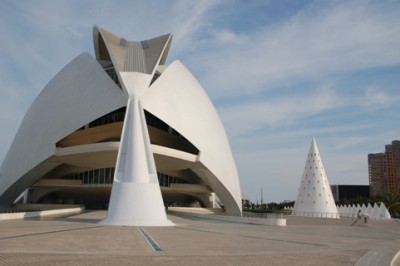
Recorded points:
(105, 176)
(113, 117)
(102, 176)
(113, 75)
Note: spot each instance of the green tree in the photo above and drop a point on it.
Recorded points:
(392, 202)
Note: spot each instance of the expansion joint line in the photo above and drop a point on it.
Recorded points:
(150, 240)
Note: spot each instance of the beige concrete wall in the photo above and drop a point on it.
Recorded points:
(24, 215)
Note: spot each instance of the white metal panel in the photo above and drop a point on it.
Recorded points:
(80, 93)
(178, 99)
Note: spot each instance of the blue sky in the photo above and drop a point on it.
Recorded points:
(279, 73)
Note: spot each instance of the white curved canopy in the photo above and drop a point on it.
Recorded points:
(83, 92)
(183, 104)
(78, 94)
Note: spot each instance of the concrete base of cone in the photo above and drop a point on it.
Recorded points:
(136, 204)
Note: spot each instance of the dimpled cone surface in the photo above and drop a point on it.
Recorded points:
(314, 195)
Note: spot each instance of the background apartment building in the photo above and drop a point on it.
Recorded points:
(384, 170)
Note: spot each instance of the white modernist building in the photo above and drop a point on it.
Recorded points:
(314, 195)
(123, 120)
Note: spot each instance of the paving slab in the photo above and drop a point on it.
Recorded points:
(80, 240)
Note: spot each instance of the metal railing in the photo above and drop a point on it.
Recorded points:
(221, 212)
(317, 214)
(12, 210)
(263, 215)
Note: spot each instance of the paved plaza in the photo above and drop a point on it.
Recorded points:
(79, 240)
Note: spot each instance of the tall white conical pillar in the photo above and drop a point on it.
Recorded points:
(314, 195)
(136, 196)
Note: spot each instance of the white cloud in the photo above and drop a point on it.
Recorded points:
(319, 41)
(226, 36)
(377, 99)
(274, 112)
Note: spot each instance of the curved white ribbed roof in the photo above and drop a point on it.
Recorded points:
(78, 94)
(83, 92)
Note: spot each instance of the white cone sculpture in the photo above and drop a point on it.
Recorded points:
(315, 197)
(136, 197)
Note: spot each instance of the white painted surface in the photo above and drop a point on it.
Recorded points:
(23, 215)
(179, 100)
(138, 204)
(83, 92)
(136, 196)
(77, 95)
(315, 195)
(376, 212)
(135, 83)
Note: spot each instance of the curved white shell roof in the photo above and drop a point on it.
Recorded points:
(183, 104)
(78, 94)
(83, 92)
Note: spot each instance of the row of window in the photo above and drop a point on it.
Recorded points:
(113, 117)
(105, 176)
(102, 176)
(166, 180)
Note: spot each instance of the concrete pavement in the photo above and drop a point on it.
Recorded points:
(79, 240)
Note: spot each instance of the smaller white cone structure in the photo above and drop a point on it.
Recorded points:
(383, 212)
(364, 208)
(314, 196)
(136, 197)
(375, 212)
(369, 208)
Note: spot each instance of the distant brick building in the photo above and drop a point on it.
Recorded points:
(384, 170)
(376, 168)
